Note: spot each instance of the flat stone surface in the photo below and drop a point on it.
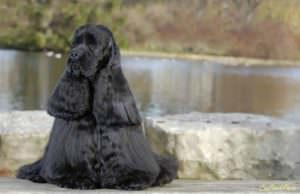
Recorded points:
(25, 122)
(16, 186)
(226, 146)
(23, 136)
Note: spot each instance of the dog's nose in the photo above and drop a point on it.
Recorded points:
(74, 56)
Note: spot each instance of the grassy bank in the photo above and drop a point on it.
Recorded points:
(266, 29)
(224, 60)
(48, 25)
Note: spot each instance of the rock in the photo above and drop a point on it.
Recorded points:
(218, 146)
(17, 186)
(23, 136)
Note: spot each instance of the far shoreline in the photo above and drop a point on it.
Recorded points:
(224, 60)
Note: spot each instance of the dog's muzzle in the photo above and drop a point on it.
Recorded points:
(74, 69)
(75, 59)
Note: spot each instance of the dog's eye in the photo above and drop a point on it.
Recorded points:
(90, 40)
(76, 41)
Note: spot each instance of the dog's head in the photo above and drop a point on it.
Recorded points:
(93, 47)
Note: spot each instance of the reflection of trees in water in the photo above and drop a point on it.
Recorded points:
(141, 85)
(176, 87)
(28, 71)
(169, 87)
(184, 88)
(40, 74)
(8, 80)
(29, 80)
(254, 94)
(181, 88)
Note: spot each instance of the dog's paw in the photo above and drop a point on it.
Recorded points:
(132, 187)
(82, 185)
(162, 181)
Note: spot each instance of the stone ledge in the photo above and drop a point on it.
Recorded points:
(23, 136)
(226, 146)
(16, 186)
(208, 146)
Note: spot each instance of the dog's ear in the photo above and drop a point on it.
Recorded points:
(118, 99)
(114, 54)
(111, 50)
(70, 98)
(123, 102)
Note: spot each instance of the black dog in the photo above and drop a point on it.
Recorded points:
(97, 139)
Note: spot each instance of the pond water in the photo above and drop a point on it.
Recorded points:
(162, 86)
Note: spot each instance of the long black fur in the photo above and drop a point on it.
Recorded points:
(97, 139)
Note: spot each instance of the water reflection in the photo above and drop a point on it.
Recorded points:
(26, 79)
(162, 86)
